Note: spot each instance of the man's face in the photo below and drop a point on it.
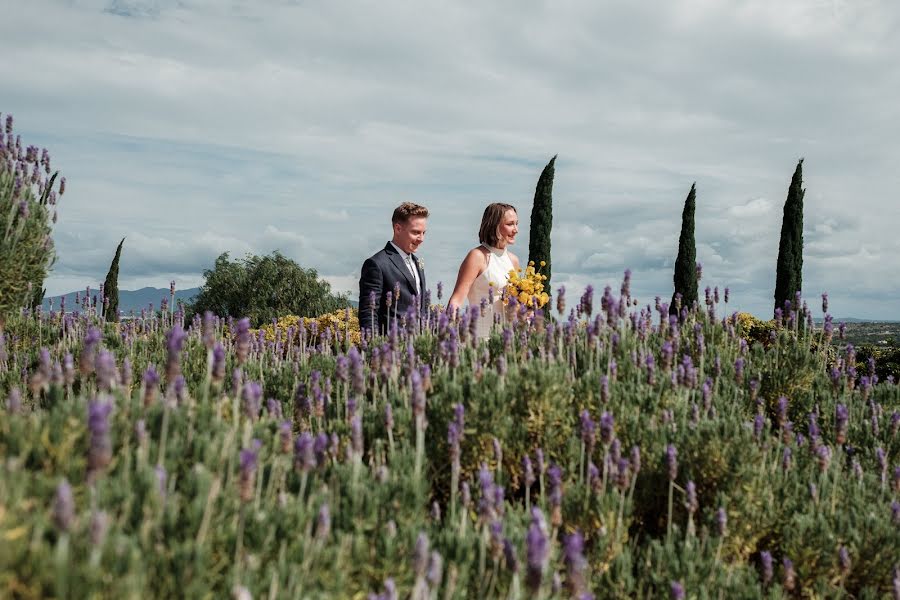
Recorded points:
(408, 235)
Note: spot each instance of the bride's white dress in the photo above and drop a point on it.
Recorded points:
(497, 273)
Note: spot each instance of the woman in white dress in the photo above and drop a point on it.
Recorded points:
(485, 270)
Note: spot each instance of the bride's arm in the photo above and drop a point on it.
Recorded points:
(471, 267)
(515, 261)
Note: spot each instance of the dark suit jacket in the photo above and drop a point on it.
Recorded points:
(380, 274)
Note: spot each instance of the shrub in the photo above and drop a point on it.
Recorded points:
(264, 288)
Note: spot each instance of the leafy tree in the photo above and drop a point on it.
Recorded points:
(27, 209)
(264, 288)
(542, 220)
(111, 286)
(686, 263)
(789, 271)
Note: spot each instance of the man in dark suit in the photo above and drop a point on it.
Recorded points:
(394, 268)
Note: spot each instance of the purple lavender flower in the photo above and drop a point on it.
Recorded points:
(14, 400)
(388, 417)
(304, 455)
(554, 474)
(844, 560)
(242, 340)
(672, 462)
(789, 579)
(356, 435)
(98, 527)
(64, 507)
(588, 432)
(536, 550)
(759, 422)
(528, 471)
(691, 503)
(420, 555)
(251, 394)
(248, 462)
(765, 559)
(417, 395)
(607, 428)
(174, 346)
(100, 446)
(217, 371)
(573, 556)
(675, 587)
(721, 521)
(323, 522)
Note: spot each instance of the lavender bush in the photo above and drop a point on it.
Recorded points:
(617, 451)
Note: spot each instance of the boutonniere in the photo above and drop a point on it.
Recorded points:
(420, 262)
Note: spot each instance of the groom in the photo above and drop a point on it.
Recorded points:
(395, 267)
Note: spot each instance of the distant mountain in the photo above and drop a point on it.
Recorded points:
(854, 320)
(128, 300)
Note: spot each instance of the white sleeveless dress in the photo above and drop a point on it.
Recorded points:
(497, 273)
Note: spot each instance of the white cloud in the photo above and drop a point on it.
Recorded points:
(196, 127)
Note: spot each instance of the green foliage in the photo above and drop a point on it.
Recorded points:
(189, 533)
(789, 270)
(27, 199)
(264, 288)
(886, 361)
(685, 277)
(111, 286)
(542, 221)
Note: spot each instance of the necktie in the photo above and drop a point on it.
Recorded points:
(412, 270)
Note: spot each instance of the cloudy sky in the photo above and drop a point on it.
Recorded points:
(194, 127)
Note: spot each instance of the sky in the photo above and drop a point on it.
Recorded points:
(196, 127)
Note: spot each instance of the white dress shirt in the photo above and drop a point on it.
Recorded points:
(407, 258)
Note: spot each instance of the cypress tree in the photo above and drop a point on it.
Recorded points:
(542, 221)
(111, 286)
(789, 271)
(685, 277)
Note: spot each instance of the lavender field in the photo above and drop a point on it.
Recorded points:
(601, 450)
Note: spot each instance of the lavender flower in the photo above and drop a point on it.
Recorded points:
(588, 432)
(573, 553)
(691, 503)
(64, 507)
(554, 474)
(721, 522)
(14, 400)
(248, 463)
(844, 560)
(356, 436)
(790, 576)
(765, 559)
(420, 555)
(323, 522)
(100, 446)
(607, 428)
(98, 527)
(242, 340)
(174, 346)
(304, 455)
(672, 462)
(536, 549)
(675, 587)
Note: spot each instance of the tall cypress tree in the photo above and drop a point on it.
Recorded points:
(789, 272)
(542, 221)
(111, 286)
(685, 277)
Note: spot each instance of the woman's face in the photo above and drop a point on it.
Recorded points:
(509, 228)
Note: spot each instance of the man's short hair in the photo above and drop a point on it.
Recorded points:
(407, 211)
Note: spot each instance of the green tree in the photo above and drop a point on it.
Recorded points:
(542, 221)
(686, 263)
(27, 209)
(264, 288)
(111, 286)
(789, 271)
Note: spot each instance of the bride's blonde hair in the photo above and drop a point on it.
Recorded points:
(490, 222)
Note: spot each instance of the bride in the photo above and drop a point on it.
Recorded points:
(485, 270)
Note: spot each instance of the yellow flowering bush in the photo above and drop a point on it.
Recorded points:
(528, 288)
(336, 320)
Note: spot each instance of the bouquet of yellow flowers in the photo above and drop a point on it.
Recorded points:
(528, 288)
